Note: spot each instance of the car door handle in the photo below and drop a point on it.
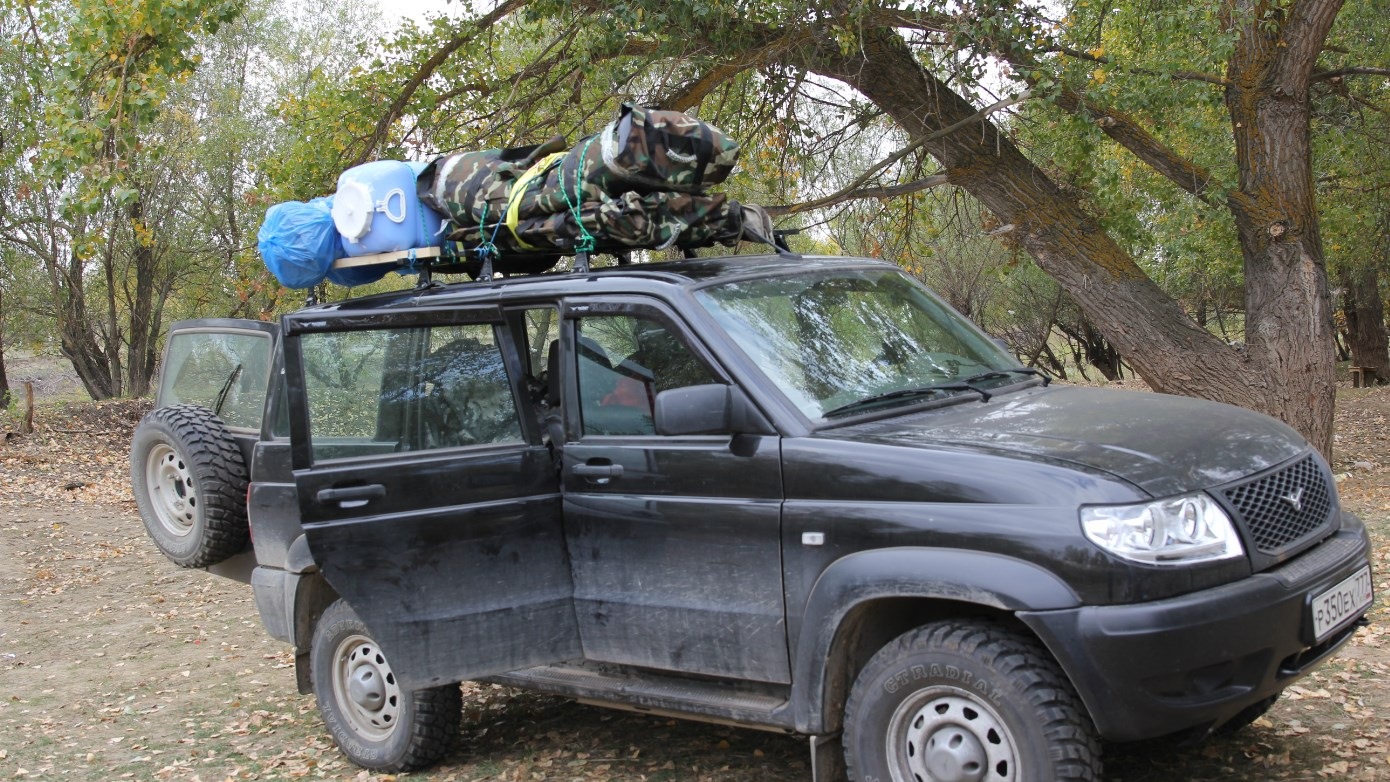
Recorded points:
(603, 472)
(351, 496)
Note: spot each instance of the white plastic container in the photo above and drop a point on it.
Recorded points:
(377, 210)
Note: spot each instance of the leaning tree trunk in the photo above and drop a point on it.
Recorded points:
(1170, 351)
(1286, 369)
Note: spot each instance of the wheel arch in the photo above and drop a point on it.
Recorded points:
(865, 600)
(312, 597)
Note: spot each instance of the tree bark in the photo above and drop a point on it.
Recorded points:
(1365, 318)
(4, 379)
(1163, 344)
(143, 320)
(1286, 367)
(1288, 314)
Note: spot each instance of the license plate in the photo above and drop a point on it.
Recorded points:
(1333, 608)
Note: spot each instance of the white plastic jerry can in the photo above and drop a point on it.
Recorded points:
(377, 210)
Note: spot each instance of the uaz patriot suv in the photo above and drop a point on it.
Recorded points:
(801, 495)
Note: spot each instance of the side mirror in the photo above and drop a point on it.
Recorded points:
(706, 409)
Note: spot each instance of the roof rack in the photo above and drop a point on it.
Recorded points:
(452, 258)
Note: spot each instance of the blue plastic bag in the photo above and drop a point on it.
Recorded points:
(353, 276)
(299, 242)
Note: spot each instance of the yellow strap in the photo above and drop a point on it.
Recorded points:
(519, 189)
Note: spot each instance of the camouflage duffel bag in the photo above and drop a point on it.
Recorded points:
(641, 151)
(631, 221)
(653, 221)
(475, 187)
(662, 150)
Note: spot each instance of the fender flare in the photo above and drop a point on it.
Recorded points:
(956, 575)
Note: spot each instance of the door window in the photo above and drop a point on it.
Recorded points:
(623, 362)
(373, 392)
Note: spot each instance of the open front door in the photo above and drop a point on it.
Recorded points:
(429, 503)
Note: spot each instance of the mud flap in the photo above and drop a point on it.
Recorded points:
(828, 759)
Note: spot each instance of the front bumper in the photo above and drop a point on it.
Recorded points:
(1196, 661)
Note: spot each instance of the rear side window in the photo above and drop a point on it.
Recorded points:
(225, 371)
(389, 390)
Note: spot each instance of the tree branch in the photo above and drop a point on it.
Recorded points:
(853, 190)
(891, 191)
(1197, 76)
(1352, 71)
(1128, 133)
(397, 108)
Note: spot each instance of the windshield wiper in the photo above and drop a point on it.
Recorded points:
(997, 373)
(904, 393)
(966, 384)
(226, 387)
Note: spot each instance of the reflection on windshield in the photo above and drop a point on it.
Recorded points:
(830, 340)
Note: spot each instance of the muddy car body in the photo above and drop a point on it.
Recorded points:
(799, 495)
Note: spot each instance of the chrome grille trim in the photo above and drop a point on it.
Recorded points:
(1284, 507)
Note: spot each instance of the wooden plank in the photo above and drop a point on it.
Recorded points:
(399, 256)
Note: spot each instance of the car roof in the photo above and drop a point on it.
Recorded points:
(630, 278)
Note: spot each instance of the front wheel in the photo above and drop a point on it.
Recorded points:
(967, 701)
(374, 721)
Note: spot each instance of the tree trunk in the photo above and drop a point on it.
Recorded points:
(1163, 344)
(1288, 313)
(144, 317)
(1365, 317)
(76, 336)
(1286, 369)
(4, 379)
(1096, 350)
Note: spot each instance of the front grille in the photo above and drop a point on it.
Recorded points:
(1283, 507)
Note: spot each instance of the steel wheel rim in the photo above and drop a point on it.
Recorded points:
(366, 689)
(945, 734)
(173, 494)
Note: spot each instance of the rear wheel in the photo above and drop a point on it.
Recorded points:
(966, 701)
(190, 485)
(374, 721)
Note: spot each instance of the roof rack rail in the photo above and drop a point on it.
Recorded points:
(483, 264)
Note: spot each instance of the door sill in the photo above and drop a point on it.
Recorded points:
(744, 704)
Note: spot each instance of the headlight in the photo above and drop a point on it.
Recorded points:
(1175, 531)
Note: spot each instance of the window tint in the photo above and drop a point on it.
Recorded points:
(623, 363)
(227, 372)
(374, 392)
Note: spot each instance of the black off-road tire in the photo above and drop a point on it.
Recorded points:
(375, 722)
(190, 484)
(967, 701)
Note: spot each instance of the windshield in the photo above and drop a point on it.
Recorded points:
(856, 340)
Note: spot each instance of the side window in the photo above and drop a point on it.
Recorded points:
(542, 327)
(375, 392)
(623, 362)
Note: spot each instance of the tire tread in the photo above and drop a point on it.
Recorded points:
(204, 440)
(1075, 750)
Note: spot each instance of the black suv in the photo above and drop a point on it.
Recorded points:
(800, 494)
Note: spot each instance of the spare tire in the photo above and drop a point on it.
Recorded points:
(190, 485)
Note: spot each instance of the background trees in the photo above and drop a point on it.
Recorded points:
(1184, 173)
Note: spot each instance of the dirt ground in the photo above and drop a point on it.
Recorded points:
(114, 664)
